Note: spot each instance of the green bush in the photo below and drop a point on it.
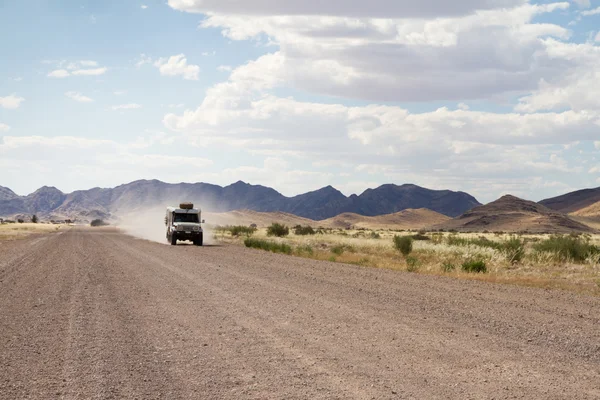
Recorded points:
(448, 267)
(239, 230)
(305, 249)
(34, 219)
(338, 250)
(572, 248)
(412, 264)
(474, 266)
(514, 248)
(268, 245)
(404, 244)
(304, 230)
(420, 236)
(278, 230)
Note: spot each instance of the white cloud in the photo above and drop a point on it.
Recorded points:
(4, 127)
(59, 73)
(177, 65)
(482, 55)
(11, 102)
(353, 8)
(582, 3)
(144, 59)
(143, 6)
(587, 13)
(90, 72)
(597, 39)
(130, 106)
(597, 144)
(224, 68)
(18, 79)
(76, 68)
(120, 92)
(575, 88)
(78, 97)
(463, 106)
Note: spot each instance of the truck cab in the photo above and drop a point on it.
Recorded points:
(184, 223)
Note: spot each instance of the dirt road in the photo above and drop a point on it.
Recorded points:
(96, 314)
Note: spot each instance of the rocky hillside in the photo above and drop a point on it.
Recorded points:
(512, 214)
(574, 201)
(318, 205)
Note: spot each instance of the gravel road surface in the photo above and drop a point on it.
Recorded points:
(95, 314)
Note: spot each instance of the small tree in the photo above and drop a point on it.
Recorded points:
(20, 221)
(404, 244)
(34, 219)
(278, 230)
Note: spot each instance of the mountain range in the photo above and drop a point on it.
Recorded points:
(328, 202)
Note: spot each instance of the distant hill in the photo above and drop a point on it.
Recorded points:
(512, 214)
(318, 205)
(7, 194)
(591, 211)
(574, 201)
(407, 219)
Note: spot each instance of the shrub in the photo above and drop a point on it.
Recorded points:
(278, 230)
(403, 244)
(420, 236)
(412, 264)
(34, 219)
(374, 235)
(239, 230)
(268, 245)
(437, 238)
(514, 249)
(20, 221)
(566, 248)
(474, 266)
(98, 222)
(305, 249)
(448, 267)
(338, 250)
(304, 230)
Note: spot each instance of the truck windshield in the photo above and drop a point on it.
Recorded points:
(193, 218)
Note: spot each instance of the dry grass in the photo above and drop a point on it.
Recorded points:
(357, 247)
(21, 231)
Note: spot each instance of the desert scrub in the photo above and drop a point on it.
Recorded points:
(278, 230)
(514, 249)
(304, 250)
(304, 230)
(404, 244)
(268, 245)
(374, 235)
(477, 266)
(448, 267)
(412, 264)
(568, 248)
(239, 230)
(341, 248)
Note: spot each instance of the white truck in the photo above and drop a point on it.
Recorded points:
(183, 223)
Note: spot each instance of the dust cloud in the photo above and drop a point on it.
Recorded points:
(149, 224)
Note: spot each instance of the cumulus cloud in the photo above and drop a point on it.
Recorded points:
(4, 127)
(11, 102)
(177, 65)
(352, 8)
(78, 97)
(587, 13)
(129, 106)
(76, 68)
(481, 55)
(59, 73)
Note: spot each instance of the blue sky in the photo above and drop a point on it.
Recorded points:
(489, 97)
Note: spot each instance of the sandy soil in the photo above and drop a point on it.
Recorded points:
(90, 314)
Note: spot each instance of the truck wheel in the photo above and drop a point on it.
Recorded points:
(173, 240)
(198, 242)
